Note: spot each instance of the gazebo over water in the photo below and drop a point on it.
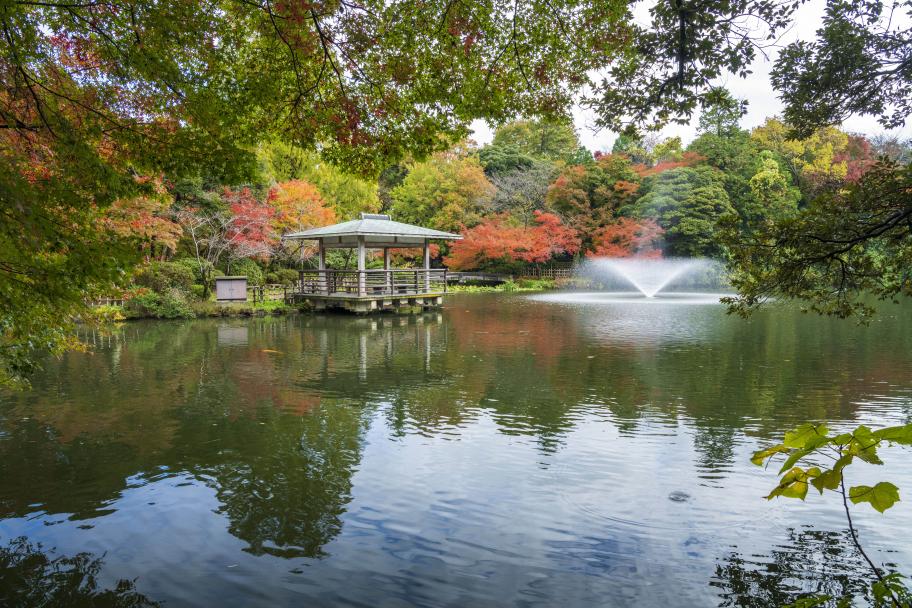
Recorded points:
(363, 289)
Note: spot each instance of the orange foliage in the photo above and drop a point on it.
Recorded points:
(299, 206)
(626, 238)
(689, 159)
(496, 240)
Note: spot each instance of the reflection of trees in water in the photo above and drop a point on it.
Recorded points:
(811, 562)
(715, 445)
(284, 489)
(170, 395)
(30, 577)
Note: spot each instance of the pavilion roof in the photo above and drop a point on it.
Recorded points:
(372, 225)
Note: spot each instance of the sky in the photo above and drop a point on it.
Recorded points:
(756, 89)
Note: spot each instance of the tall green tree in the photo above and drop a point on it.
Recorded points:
(689, 204)
(544, 139)
(721, 113)
(773, 191)
(847, 244)
(859, 63)
(446, 192)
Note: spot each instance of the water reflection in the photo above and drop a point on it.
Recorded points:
(502, 452)
(811, 562)
(32, 576)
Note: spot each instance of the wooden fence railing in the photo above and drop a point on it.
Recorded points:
(373, 282)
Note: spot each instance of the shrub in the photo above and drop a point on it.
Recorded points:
(509, 286)
(172, 304)
(161, 277)
(104, 314)
(195, 266)
(282, 276)
(250, 269)
(198, 292)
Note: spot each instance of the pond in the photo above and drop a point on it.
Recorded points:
(508, 450)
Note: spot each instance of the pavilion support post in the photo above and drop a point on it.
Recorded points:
(322, 283)
(362, 287)
(386, 267)
(427, 267)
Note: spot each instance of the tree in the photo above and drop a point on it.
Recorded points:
(813, 161)
(721, 113)
(446, 192)
(738, 157)
(846, 244)
(240, 227)
(688, 203)
(298, 206)
(628, 237)
(250, 231)
(554, 140)
(95, 99)
(346, 194)
(521, 192)
(680, 55)
(637, 149)
(590, 195)
(872, 76)
(772, 189)
(496, 242)
(503, 158)
(145, 221)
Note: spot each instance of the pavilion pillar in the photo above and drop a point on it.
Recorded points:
(362, 286)
(386, 267)
(322, 283)
(427, 266)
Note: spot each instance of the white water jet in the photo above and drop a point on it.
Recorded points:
(648, 276)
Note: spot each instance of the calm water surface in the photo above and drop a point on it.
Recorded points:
(507, 451)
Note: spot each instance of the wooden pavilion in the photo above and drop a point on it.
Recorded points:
(365, 290)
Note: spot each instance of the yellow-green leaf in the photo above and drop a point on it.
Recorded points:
(760, 456)
(829, 479)
(794, 484)
(896, 434)
(806, 436)
(882, 496)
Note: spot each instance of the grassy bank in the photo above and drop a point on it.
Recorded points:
(508, 286)
(194, 310)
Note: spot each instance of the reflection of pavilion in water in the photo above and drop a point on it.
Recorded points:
(370, 342)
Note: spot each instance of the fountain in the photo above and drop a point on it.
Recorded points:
(649, 276)
(646, 280)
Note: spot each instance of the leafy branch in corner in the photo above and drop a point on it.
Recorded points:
(811, 444)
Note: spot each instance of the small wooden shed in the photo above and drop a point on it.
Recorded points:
(231, 289)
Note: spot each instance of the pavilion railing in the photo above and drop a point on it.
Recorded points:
(374, 282)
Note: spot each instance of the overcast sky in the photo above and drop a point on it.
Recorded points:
(756, 89)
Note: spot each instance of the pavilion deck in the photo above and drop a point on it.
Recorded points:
(371, 290)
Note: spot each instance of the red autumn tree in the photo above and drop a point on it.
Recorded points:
(551, 237)
(250, 230)
(628, 238)
(497, 241)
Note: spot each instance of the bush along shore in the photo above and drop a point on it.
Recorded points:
(164, 293)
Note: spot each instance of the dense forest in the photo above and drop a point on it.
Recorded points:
(533, 195)
(147, 147)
